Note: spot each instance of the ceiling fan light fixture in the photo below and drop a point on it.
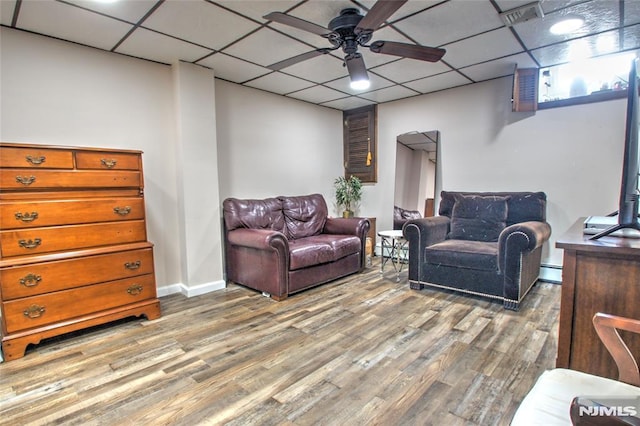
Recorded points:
(362, 84)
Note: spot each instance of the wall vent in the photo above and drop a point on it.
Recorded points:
(522, 14)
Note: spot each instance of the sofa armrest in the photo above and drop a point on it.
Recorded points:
(259, 239)
(358, 226)
(426, 231)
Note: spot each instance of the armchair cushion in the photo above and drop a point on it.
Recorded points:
(464, 254)
(478, 218)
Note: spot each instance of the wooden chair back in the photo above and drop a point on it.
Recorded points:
(607, 327)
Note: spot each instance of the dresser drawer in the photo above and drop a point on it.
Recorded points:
(107, 161)
(29, 214)
(30, 312)
(30, 179)
(36, 157)
(38, 278)
(56, 238)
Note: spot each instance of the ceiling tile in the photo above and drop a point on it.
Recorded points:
(631, 12)
(277, 82)
(389, 94)
(348, 103)
(548, 6)
(317, 94)
(319, 69)
(599, 16)
(410, 69)
(438, 82)
(266, 47)
(499, 67)
(233, 69)
(71, 23)
(256, 9)
(199, 22)
(143, 43)
(343, 84)
(481, 48)
(130, 11)
(632, 37)
(575, 50)
(451, 21)
(6, 11)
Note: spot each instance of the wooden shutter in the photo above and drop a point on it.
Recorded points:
(525, 89)
(359, 142)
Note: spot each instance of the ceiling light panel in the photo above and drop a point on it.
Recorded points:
(200, 22)
(451, 21)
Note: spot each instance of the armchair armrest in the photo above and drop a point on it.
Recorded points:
(358, 226)
(607, 329)
(259, 239)
(426, 231)
(521, 237)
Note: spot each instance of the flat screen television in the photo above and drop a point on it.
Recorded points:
(629, 202)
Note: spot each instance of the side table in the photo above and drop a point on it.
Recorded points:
(393, 248)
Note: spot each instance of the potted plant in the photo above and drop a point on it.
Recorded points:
(348, 193)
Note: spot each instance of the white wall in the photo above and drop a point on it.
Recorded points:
(59, 93)
(270, 145)
(574, 154)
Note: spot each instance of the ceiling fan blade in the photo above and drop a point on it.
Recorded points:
(356, 67)
(413, 51)
(301, 24)
(378, 13)
(299, 58)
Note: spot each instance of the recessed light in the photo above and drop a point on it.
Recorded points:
(360, 84)
(566, 26)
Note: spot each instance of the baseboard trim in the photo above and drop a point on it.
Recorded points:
(192, 291)
(550, 274)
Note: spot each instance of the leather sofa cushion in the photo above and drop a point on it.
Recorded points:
(322, 248)
(478, 218)
(253, 214)
(464, 254)
(304, 216)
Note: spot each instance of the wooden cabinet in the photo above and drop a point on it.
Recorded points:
(597, 276)
(73, 242)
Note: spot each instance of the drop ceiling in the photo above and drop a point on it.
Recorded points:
(233, 39)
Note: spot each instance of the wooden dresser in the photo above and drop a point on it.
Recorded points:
(597, 276)
(73, 242)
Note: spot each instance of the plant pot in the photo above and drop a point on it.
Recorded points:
(347, 214)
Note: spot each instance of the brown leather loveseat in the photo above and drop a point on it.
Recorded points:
(284, 245)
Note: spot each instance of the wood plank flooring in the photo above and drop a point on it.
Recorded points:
(363, 350)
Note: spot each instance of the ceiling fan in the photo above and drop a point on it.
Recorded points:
(350, 30)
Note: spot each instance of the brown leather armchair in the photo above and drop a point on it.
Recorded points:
(284, 245)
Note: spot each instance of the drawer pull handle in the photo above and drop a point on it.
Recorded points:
(34, 311)
(135, 289)
(36, 161)
(30, 244)
(26, 217)
(122, 211)
(30, 280)
(132, 265)
(109, 164)
(26, 180)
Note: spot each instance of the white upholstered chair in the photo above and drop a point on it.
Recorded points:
(552, 400)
